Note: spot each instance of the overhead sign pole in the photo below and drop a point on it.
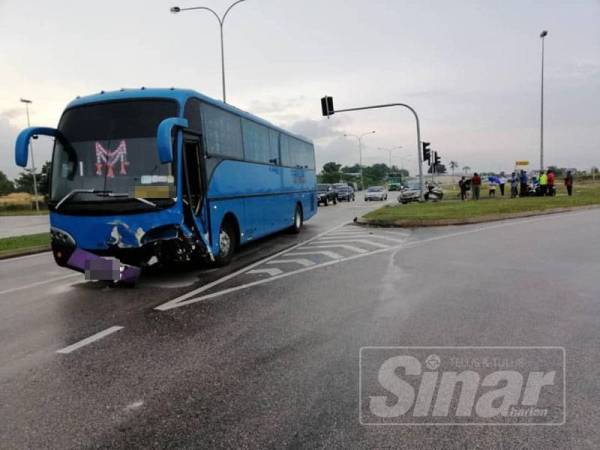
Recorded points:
(328, 110)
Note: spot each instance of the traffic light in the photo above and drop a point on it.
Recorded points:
(327, 106)
(426, 152)
(437, 160)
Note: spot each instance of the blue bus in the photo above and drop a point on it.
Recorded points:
(145, 176)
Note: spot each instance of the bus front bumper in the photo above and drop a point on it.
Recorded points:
(99, 268)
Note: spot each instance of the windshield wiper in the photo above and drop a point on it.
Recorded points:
(75, 192)
(125, 194)
(103, 193)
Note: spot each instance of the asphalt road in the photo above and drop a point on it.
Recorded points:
(265, 354)
(23, 225)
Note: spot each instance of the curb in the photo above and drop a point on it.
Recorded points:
(415, 223)
(25, 252)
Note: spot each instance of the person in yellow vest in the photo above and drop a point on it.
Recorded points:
(543, 183)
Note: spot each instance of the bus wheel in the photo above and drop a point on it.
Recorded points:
(227, 244)
(295, 228)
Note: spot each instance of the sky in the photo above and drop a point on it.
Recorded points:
(471, 69)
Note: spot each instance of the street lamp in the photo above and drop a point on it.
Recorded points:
(35, 190)
(390, 152)
(542, 36)
(359, 137)
(177, 9)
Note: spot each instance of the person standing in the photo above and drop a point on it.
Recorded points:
(476, 185)
(524, 187)
(501, 183)
(569, 183)
(462, 184)
(514, 185)
(551, 177)
(543, 183)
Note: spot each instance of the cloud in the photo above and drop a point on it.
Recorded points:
(8, 134)
(317, 129)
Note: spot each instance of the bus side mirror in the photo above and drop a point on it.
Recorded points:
(164, 137)
(22, 144)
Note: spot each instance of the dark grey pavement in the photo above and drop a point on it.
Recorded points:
(270, 359)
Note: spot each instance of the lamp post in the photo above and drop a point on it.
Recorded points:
(359, 137)
(542, 36)
(35, 190)
(221, 19)
(389, 150)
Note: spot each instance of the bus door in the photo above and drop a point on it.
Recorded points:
(194, 185)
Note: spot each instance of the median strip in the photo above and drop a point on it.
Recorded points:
(24, 245)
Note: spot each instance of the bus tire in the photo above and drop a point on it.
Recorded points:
(298, 220)
(228, 240)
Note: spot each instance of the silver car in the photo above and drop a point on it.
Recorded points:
(375, 193)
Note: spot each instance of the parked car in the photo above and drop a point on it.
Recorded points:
(344, 192)
(326, 194)
(375, 193)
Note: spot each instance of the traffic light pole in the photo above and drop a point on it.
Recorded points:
(331, 111)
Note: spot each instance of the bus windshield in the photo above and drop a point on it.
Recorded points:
(110, 148)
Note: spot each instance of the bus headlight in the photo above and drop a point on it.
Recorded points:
(61, 237)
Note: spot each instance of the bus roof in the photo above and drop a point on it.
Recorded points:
(180, 96)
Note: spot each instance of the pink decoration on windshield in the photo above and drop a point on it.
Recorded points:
(109, 159)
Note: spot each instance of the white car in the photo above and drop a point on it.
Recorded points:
(375, 193)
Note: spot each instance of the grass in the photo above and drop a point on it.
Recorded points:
(23, 212)
(455, 210)
(21, 204)
(22, 244)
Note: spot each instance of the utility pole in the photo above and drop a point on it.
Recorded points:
(35, 190)
(542, 36)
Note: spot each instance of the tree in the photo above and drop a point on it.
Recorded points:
(330, 173)
(331, 167)
(466, 169)
(6, 186)
(439, 169)
(453, 165)
(24, 183)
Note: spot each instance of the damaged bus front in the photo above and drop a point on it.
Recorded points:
(117, 199)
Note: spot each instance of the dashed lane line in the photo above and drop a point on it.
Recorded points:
(87, 341)
(39, 283)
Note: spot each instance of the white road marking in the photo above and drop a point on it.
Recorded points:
(302, 261)
(189, 299)
(366, 235)
(270, 271)
(352, 241)
(89, 340)
(39, 283)
(347, 247)
(134, 405)
(18, 258)
(331, 255)
(179, 300)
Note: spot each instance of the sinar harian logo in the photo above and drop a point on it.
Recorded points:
(462, 385)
